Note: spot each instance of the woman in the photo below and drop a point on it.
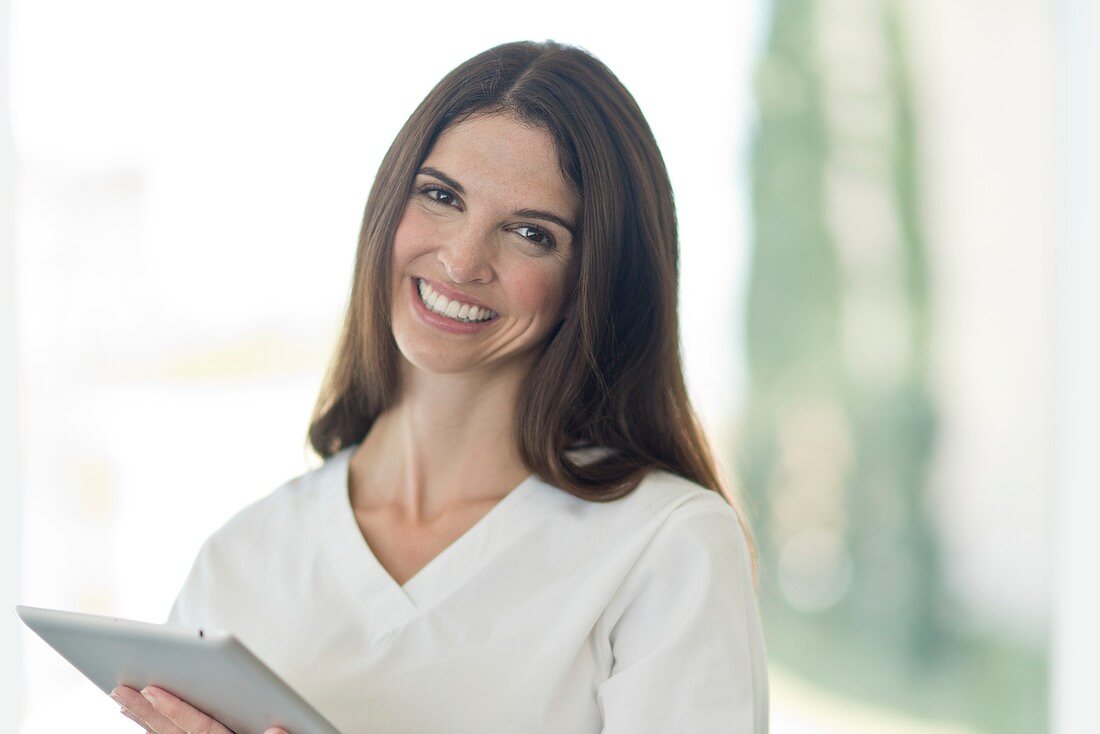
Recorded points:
(518, 526)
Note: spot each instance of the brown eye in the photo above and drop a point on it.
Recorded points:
(444, 197)
(538, 236)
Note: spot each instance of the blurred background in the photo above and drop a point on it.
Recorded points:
(889, 325)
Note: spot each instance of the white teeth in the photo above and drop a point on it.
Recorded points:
(457, 310)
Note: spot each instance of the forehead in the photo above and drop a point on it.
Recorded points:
(497, 155)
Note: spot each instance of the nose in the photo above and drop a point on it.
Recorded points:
(466, 254)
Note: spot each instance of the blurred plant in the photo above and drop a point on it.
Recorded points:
(839, 426)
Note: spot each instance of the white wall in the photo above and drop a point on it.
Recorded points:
(1076, 636)
(984, 79)
(11, 476)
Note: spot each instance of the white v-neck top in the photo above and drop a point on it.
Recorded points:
(551, 614)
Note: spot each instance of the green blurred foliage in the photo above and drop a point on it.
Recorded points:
(839, 429)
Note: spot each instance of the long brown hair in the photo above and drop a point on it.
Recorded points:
(611, 375)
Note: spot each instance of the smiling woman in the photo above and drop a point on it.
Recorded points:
(478, 246)
(518, 525)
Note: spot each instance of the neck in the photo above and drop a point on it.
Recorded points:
(448, 442)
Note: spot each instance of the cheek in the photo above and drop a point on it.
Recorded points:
(405, 237)
(411, 239)
(540, 292)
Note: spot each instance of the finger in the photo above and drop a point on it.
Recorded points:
(181, 713)
(126, 712)
(276, 731)
(146, 714)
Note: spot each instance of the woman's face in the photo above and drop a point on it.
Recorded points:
(483, 256)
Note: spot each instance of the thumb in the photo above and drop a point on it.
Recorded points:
(276, 731)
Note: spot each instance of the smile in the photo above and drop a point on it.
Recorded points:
(465, 313)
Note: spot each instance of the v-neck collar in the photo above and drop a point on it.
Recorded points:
(389, 604)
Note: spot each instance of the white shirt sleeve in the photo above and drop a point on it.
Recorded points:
(184, 610)
(687, 646)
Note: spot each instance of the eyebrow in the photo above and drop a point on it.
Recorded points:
(531, 213)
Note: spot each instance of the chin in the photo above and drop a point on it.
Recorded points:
(433, 357)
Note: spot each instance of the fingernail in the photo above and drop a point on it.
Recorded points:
(116, 697)
(148, 693)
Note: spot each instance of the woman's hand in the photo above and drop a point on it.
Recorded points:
(162, 713)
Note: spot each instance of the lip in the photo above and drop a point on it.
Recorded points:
(453, 295)
(442, 322)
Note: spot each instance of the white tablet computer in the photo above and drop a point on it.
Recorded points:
(208, 668)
